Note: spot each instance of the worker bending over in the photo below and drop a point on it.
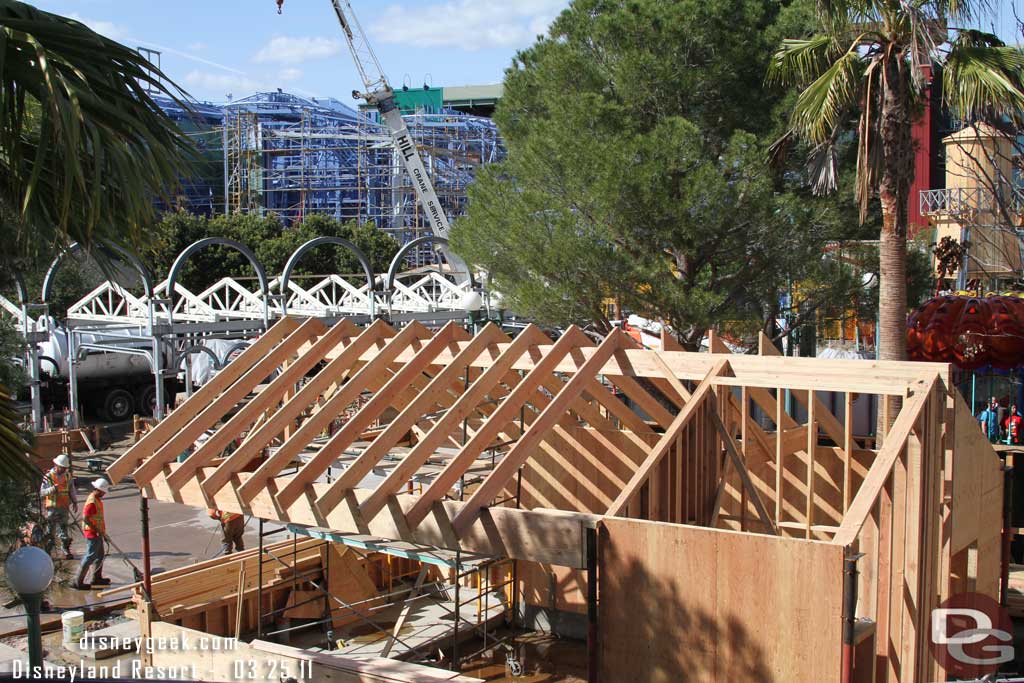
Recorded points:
(95, 530)
(232, 526)
(59, 501)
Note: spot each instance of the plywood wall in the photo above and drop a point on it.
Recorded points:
(683, 604)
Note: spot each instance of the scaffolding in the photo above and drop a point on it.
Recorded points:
(295, 157)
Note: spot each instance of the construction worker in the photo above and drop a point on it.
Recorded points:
(95, 530)
(232, 526)
(1013, 426)
(59, 501)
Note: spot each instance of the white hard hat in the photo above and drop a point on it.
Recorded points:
(101, 484)
(62, 460)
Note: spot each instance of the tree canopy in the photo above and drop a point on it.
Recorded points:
(637, 134)
(868, 63)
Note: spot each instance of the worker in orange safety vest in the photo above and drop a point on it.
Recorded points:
(94, 528)
(59, 500)
(232, 527)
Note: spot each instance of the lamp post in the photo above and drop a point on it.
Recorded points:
(29, 573)
(472, 303)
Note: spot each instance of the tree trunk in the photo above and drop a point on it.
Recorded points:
(897, 174)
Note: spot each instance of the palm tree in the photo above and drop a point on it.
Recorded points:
(84, 148)
(869, 60)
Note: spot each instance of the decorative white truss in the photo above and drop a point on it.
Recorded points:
(229, 299)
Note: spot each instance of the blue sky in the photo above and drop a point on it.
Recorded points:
(213, 48)
(216, 47)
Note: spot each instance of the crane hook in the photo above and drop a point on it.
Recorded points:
(280, 5)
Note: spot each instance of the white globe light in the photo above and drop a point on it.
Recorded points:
(471, 302)
(29, 570)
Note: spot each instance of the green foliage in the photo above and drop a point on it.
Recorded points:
(272, 242)
(636, 135)
(85, 149)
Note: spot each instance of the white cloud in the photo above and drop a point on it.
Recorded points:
(196, 47)
(288, 75)
(223, 84)
(289, 50)
(107, 28)
(467, 24)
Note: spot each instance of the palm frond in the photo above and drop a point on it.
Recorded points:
(14, 462)
(823, 103)
(85, 148)
(984, 81)
(801, 61)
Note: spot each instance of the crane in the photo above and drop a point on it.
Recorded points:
(379, 94)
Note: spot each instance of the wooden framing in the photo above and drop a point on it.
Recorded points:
(514, 446)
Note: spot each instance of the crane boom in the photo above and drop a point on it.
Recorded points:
(378, 93)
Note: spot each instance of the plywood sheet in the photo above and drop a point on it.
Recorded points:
(689, 604)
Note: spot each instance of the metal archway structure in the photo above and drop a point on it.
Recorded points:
(293, 260)
(396, 262)
(199, 245)
(117, 252)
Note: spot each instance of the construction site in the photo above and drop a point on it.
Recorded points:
(394, 477)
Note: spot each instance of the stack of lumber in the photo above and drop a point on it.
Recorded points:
(205, 596)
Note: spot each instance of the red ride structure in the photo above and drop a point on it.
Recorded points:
(970, 332)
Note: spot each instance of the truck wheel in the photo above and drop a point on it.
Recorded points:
(118, 405)
(147, 400)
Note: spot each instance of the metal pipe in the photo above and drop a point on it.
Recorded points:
(455, 632)
(849, 613)
(1004, 574)
(259, 580)
(592, 579)
(147, 571)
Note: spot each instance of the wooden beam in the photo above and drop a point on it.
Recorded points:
(437, 388)
(546, 536)
(370, 376)
(516, 457)
(287, 413)
(741, 467)
(381, 401)
(680, 422)
(895, 441)
(178, 418)
(244, 419)
(214, 411)
(524, 391)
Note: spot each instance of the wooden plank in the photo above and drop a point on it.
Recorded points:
(660, 580)
(741, 467)
(680, 422)
(336, 336)
(178, 418)
(214, 411)
(370, 411)
(859, 376)
(275, 424)
(647, 403)
(865, 499)
(812, 448)
(519, 454)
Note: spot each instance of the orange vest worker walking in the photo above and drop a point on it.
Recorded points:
(232, 527)
(94, 527)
